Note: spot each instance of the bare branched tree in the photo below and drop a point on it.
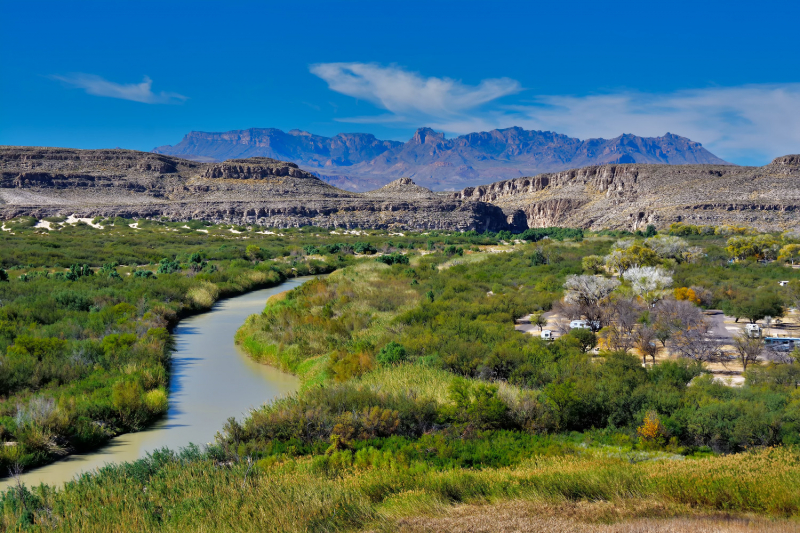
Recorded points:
(671, 316)
(748, 349)
(644, 339)
(695, 343)
(589, 294)
(623, 315)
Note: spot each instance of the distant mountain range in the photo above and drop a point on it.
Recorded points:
(360, 161)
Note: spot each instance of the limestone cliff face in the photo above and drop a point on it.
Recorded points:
(54, 181)
(632, 195)
(48, 182)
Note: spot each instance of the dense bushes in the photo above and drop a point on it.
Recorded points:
(91, 349)
(462, 321)
(556, 233)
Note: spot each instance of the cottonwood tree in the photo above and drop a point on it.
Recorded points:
(695, 343)
(589, 293)
(668, 246)
(748, 349)
(648, 282)
(693, 254)
(592, 263)
(790, 252)
(625, 313)
(670, 316)
(615, 261)
(759, 246)
(633, 256)
(644, 339)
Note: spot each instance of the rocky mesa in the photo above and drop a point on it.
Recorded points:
(631, 196)
(45, 182)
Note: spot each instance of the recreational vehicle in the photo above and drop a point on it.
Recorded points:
(782, 344)
(753, 330)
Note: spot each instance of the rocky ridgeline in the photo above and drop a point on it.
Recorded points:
(632, 195)
(51, 181)
(44, 182)
(360, 162)
(254, 168)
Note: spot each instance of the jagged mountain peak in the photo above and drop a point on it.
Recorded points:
(426, 135)
(359, 161)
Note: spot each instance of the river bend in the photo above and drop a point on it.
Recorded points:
(212, 379)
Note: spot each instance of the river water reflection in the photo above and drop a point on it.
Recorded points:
(212, 379)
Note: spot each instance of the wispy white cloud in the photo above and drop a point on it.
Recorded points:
(136, 92)
(408, 94)
(748, 123)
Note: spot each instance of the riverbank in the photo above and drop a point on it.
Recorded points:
(211, 380)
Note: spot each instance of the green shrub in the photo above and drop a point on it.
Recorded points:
(392, 353)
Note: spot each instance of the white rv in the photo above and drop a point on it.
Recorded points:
(579, 324)
(752, 330)
(547, 335)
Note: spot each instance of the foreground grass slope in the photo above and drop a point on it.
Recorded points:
(192, 492)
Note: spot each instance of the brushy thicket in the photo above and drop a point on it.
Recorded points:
(419, 393)
(342, 326)
(85, 315)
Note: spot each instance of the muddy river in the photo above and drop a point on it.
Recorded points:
(212, 379)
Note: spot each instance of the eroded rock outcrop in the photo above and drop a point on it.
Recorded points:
(44, 182)
(632, 195)
(56, 181)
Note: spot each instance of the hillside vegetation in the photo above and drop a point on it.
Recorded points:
(418, 393)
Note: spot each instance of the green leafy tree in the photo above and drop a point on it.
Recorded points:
(585, 337)
(539, 320)
(392, 353)
(593, 263)
(757, 306)
(253, 253)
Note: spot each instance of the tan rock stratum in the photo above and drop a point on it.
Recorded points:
(44, 182)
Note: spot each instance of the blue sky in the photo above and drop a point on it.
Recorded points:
(142, 74)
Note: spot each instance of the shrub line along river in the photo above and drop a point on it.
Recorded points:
(211, 380)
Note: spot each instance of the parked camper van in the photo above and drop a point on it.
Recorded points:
(782, 344)
(547, 335)
(579, 324)
(753, 330)
(783, 283)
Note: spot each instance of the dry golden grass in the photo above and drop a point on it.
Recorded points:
(586, 517)
(420, 381)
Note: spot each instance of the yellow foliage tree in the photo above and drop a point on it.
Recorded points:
(790, 252)
(685, 293)
(652, 431)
